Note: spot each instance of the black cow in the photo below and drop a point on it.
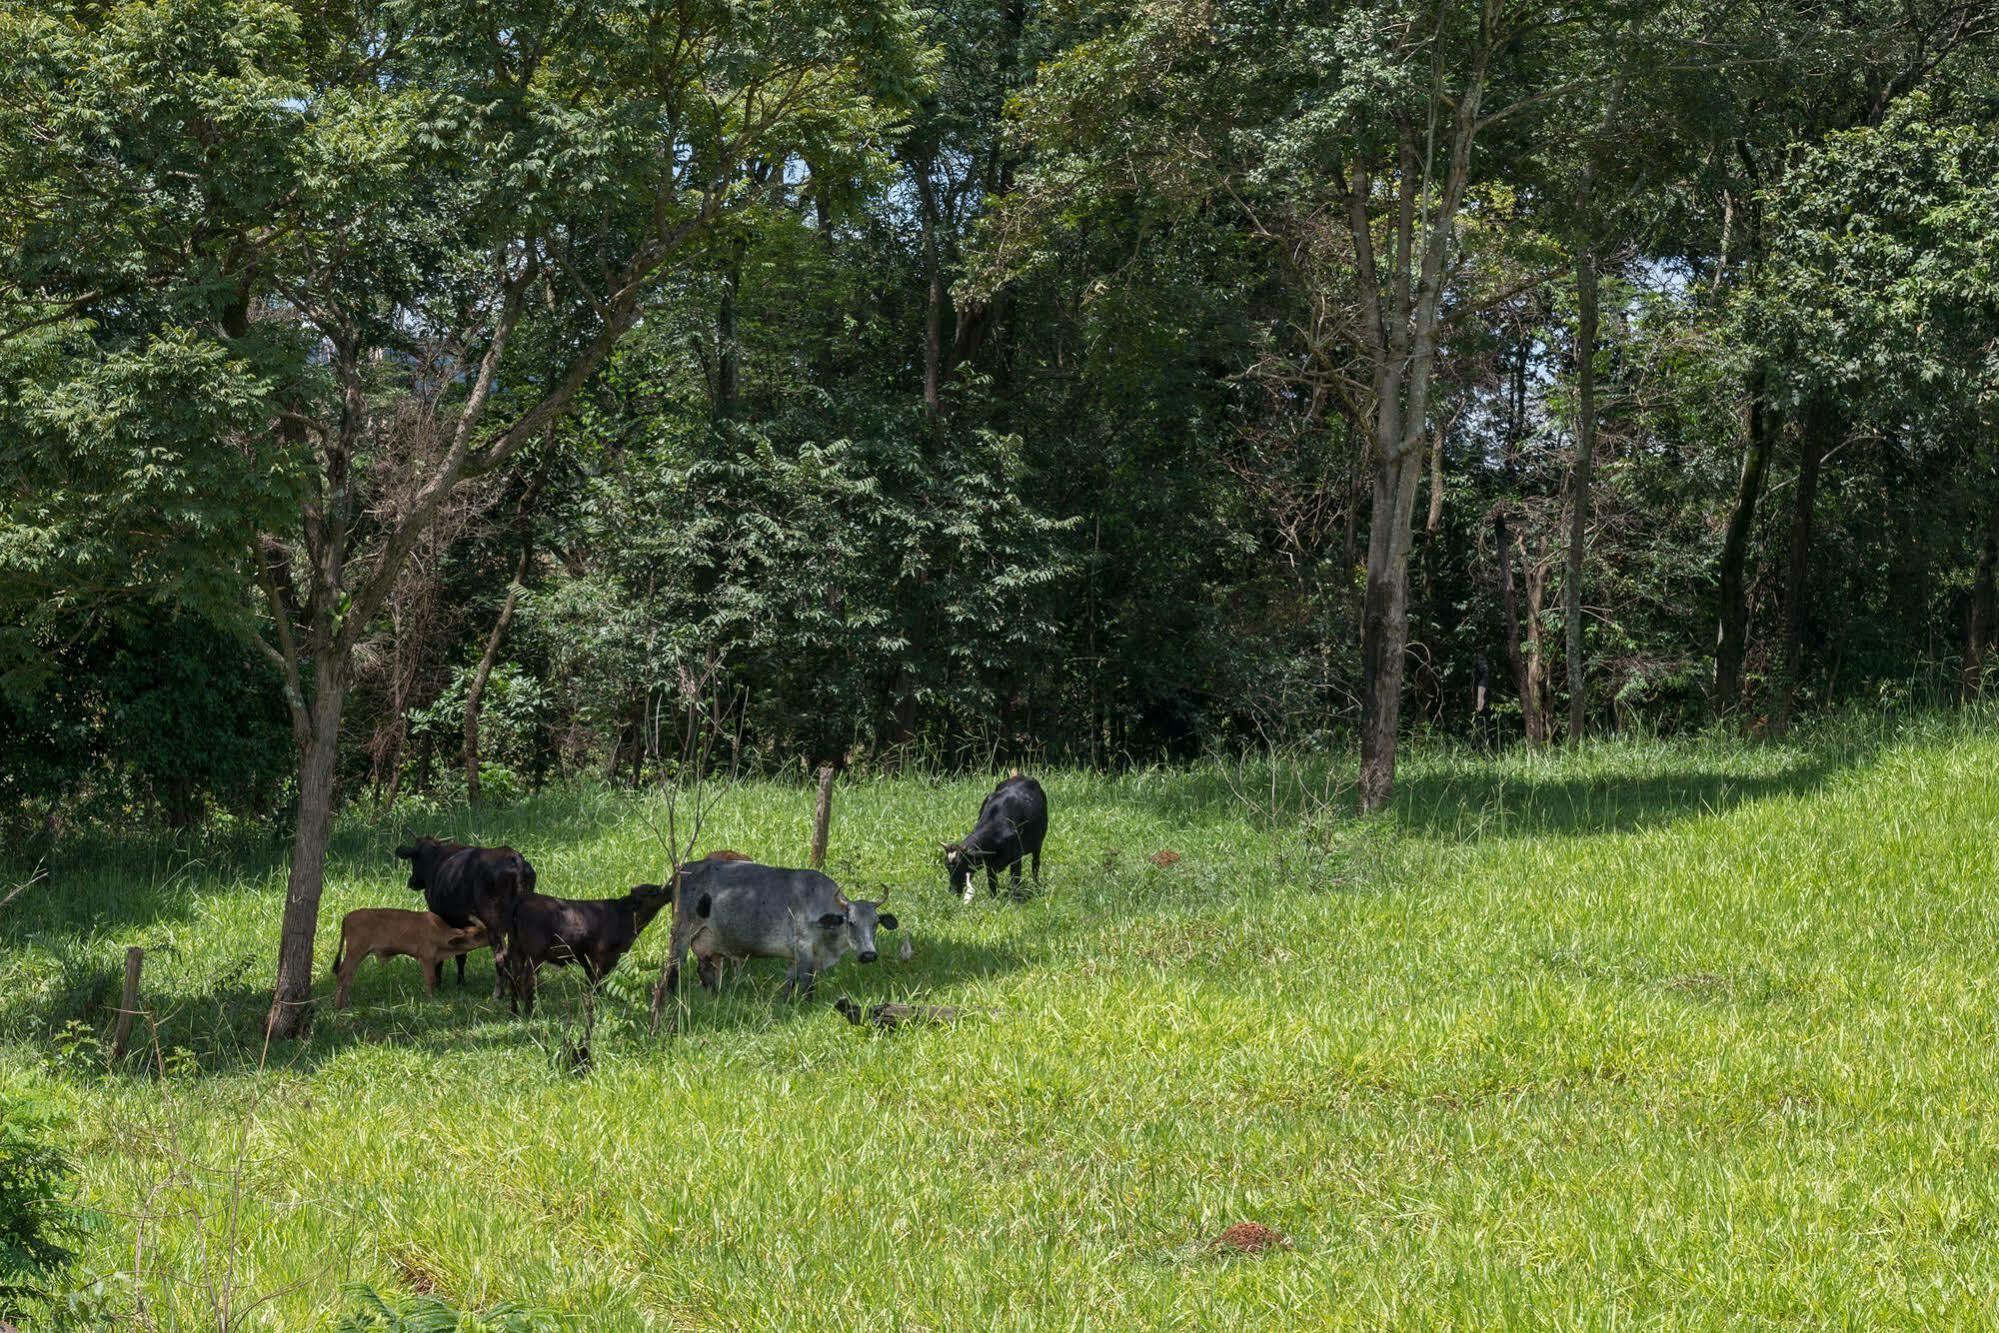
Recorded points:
(552, 932)
(1012, 824)
(462, 883)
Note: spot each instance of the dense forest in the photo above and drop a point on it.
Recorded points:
(455, 396)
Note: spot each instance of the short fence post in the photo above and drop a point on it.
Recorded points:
(128, 1005)
(822, 818)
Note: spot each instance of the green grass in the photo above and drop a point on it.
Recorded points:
(1690, 1034)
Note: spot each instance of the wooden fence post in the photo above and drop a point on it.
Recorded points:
(128, 1005)
(822, 818)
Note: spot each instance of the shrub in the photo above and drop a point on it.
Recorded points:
(39, 1219)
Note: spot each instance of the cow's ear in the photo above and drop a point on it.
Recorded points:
(832, 919)
(887, 921)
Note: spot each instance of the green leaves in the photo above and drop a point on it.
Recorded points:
(1884, 266)
(39, 1220)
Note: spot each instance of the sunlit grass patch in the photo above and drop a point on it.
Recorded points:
(1698, 1032)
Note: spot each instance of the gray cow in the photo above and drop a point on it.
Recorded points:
(738, 909)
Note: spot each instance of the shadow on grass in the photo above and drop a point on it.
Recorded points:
(1483, 800)
(1605, 787)
(216, 1029)
(1259, 791)
(748, 996)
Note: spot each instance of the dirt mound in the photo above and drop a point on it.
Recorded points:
(1250, 1238)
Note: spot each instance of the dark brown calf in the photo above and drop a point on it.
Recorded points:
(596, 932)
(390, 932)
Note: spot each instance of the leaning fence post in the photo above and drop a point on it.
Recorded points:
(822, 818)
(128, 1005)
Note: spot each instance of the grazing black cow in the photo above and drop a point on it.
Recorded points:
(552, 932)
(744, 910)
(1012, 824)
(462, 883)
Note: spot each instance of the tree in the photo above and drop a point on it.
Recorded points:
(1883, 251)
(263, 231)
(1767, 109)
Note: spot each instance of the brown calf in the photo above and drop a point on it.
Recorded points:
(390, 932)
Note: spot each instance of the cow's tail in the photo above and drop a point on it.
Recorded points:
(339, 951)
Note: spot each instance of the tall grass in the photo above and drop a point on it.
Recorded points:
(1698, 1033)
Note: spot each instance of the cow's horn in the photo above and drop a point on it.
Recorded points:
(884, 898)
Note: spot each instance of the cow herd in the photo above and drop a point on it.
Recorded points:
(724, 906)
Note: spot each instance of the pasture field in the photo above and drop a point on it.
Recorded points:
(1646, 1033)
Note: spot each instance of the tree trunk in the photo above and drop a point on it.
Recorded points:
(1385, 622)
(319, 757)
(933, 319)
(1579, 499)
(1534, 695)
(728, 349)
(395, 785)
(1435, 518)
(1524, 685)
(476, 691)
(1978, 627)
(1733, 632)
(640, 742)
(1401, 324)
(1818, 422)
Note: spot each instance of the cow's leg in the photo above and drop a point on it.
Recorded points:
(676, 953)
(350, 961)
(992, 880)
(494, 913)
(461, 970)
(433, 972)
(798, 985)
(1037, 864)
(1017, 895)
(502, 957)
(524, 988)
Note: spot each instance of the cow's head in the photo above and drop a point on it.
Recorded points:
(424, 856)
(471, 937)
(957, 866)
(647, 900)
(855, 923)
